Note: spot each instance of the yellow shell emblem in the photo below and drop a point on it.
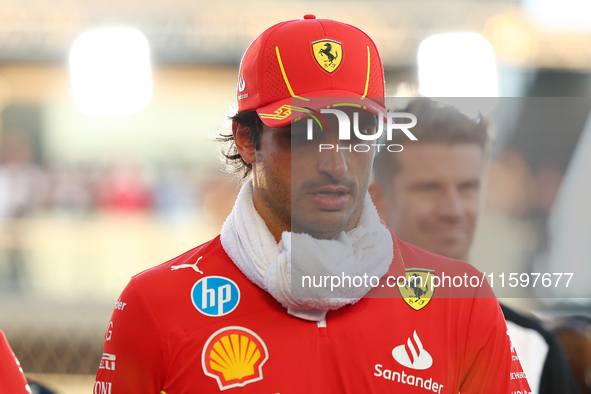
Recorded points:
(234, 356)
(417, 290)
(328, 54)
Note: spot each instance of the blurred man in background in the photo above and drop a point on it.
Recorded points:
(429, 194)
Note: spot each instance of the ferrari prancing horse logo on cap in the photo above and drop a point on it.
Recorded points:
(328, 53)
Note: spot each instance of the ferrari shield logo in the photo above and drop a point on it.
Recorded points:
(417, 289)
(328, 53)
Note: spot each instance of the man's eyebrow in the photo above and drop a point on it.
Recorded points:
(425, 182)
(471, 182)
(300, 124)
(369, 120)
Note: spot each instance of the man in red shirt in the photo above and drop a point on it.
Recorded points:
(243, 312)
(12, 379)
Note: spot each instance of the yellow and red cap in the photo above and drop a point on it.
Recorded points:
(295, 60)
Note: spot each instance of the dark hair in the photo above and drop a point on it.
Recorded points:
(435, 123)
(231, 160)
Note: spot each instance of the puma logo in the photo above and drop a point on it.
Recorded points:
(194, 266)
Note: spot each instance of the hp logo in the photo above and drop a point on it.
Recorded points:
(215, 296)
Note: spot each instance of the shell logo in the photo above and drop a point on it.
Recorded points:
(234, 356)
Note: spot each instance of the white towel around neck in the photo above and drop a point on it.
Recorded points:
(365, 250)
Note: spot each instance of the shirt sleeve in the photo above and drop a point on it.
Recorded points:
(557, 376)
(12, 379)
(491, 363)
(134, 355)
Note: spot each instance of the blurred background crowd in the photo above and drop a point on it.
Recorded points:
(91, 195)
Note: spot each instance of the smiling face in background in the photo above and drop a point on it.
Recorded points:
(297, 188)
(432, 199)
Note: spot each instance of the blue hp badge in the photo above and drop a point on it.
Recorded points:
(215, 296)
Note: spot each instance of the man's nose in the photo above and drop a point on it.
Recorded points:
(451, 205)
(334, 161)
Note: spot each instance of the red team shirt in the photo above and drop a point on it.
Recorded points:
(196, 324)
(12, 380)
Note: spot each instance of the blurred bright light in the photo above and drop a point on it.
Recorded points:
(460, 65)
(560, 15)
(110, 71)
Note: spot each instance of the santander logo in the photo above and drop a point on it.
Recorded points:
(413, 355)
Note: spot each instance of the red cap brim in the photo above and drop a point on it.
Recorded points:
(291, 109)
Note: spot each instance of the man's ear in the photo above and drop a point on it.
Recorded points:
(243, 142)
(378, 197)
